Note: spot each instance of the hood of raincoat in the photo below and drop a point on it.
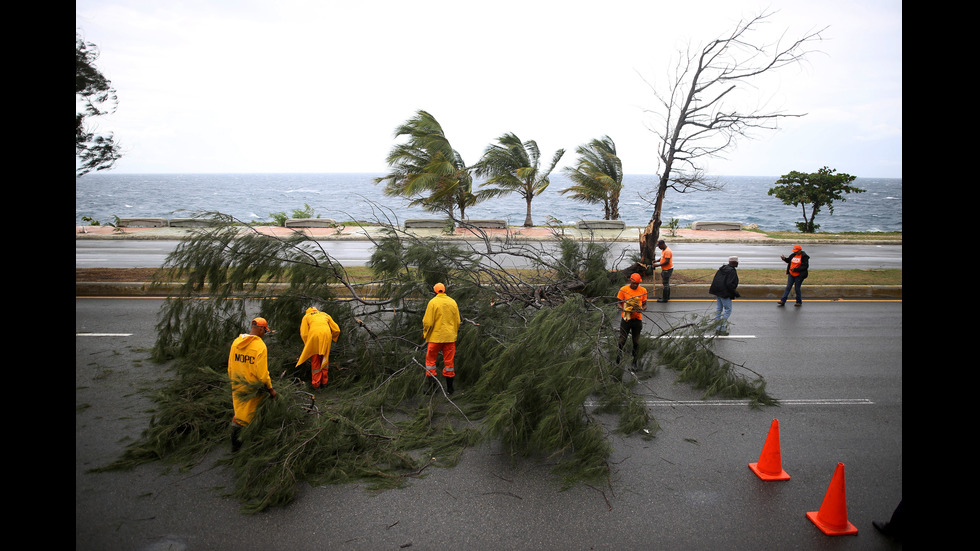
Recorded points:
(244, 341)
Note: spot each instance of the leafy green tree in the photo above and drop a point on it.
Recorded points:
(427, 170)
(597, 176)
(514, 166)
(816, 190)
(94, 96)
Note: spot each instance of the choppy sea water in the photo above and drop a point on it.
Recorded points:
(255, 197)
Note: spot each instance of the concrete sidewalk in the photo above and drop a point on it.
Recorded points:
(519, 233)
(537, 233)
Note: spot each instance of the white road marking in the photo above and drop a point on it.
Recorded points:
(811, 402)
(103, 334)
(706, 336)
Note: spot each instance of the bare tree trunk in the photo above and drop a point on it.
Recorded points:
(700, 117)
(648, 242)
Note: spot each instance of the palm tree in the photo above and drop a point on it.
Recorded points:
(427, 169)
(598, 176)
(512, 166)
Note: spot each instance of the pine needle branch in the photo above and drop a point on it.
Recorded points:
(532, 354)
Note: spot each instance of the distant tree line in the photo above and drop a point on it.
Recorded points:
(427, 170)
(700, 116)
(698, 119)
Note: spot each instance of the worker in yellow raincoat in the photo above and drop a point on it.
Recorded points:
(318, 330)
(248, 364)
(440, 325)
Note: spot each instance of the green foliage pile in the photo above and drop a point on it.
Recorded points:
(533, 390)
(686, 349)
(533, 363)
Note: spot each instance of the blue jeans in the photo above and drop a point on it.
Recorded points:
(791, 282)
(723, 309)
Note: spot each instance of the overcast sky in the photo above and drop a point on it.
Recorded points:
(248, 86)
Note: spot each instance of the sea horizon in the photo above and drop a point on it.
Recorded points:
(345, 196)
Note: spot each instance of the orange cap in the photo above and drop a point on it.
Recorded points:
(797, 248)
(439, 288)
(635, 277)
(261, 323)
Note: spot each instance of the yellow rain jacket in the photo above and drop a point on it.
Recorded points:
(441, 320)
(318, 331)
(248, 362)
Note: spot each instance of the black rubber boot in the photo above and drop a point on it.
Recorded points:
(449, 385)
(236, 443)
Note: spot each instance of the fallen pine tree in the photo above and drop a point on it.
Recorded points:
(535, 353)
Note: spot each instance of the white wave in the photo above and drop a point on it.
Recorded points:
(100, 196)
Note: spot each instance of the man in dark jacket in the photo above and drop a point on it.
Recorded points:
(797, 265)
(725, 288)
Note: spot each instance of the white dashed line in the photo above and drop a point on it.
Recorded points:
(707, 336)
(813, 402)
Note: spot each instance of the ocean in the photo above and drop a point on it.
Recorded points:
(103, 196)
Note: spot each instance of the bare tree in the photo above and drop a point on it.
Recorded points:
(700, 114)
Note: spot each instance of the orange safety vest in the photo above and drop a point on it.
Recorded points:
(794, 264)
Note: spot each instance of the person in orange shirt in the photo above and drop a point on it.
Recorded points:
(666, 265)
(632, 302)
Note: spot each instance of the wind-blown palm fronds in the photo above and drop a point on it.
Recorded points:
(597, 176)
(513, 166)
(427, 170)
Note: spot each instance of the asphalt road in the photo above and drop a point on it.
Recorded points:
(131, 253)
(835, 365)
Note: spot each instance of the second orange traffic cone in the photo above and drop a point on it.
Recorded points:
(831, 519)
(770, 464)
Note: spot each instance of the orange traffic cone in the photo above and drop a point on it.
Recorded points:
(832, 516)
(770, 465)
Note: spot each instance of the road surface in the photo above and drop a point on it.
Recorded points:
(835, 365)
(132, 253)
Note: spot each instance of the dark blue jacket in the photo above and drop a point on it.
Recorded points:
(725, 282)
